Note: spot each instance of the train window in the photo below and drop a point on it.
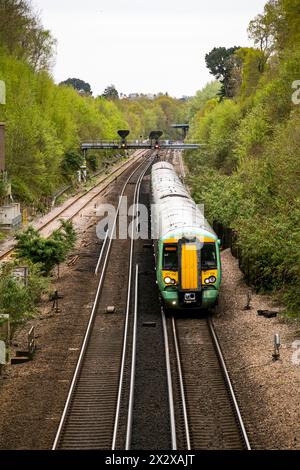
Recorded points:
(208, 256)
(170, 258)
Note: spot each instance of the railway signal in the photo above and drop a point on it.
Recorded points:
(154, 136)
(123, 134)
(153, 142)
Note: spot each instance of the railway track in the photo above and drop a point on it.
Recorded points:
(96, 399)
(100, 407)
(204, 411)
(78, 203)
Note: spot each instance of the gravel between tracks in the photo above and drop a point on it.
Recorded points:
(32, 394)
(267, 391)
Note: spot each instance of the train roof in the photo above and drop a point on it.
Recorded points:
(165, 182)
(174, 209)
(162, 165)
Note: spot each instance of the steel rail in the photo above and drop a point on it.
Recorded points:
(91, 320)
(80, 196)
(169, 379)
(102, 252)
(182, 392)
(122, 369)
(229, 384)
(133, 363)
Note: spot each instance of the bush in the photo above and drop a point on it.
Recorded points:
(248, 176)
(16, 299)
(47, 252)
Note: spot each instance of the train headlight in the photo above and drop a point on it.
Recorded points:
(210, 280)
(169, 280)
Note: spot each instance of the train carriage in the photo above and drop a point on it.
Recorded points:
(187, 250)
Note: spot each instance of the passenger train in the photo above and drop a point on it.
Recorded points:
(187, 250)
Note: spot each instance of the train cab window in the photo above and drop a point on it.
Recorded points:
(170, 258)
(208, 256)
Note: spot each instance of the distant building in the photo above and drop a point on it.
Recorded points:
(133, 96)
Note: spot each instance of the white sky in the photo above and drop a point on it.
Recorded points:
(143, 46)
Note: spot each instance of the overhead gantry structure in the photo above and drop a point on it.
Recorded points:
(154, 142)
(183, 127)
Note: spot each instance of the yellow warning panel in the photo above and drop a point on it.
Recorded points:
(189, 267)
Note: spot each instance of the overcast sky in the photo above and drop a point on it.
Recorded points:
(143, 46)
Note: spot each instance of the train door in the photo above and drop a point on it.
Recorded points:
(189, 263)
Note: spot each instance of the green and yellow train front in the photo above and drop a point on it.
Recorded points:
(189, 269)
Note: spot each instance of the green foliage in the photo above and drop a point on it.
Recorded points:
(111, 93)
(16, 299)
(45, 124)
(79, 85)
(47, 252)
(248, 174)
(92, 162)
(278, 28)
(67, 234)
(22, 34)
(3, 188)
(37, 283)
(144, 115)
(254, 131)
(216, 128)
(71, 163)
(253, 65)
(220, 62)
(198, 103)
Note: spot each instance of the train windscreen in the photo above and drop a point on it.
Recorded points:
(170, 258)
(208, 256)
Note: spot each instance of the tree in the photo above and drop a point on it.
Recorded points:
(47, 252)
(253, 66)
(79, 85)
(220, 62)
(72, 162)
(110, 93)
(278, 28)
(263, 29)
(17, 299)
(198, 102)
(22, 34)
